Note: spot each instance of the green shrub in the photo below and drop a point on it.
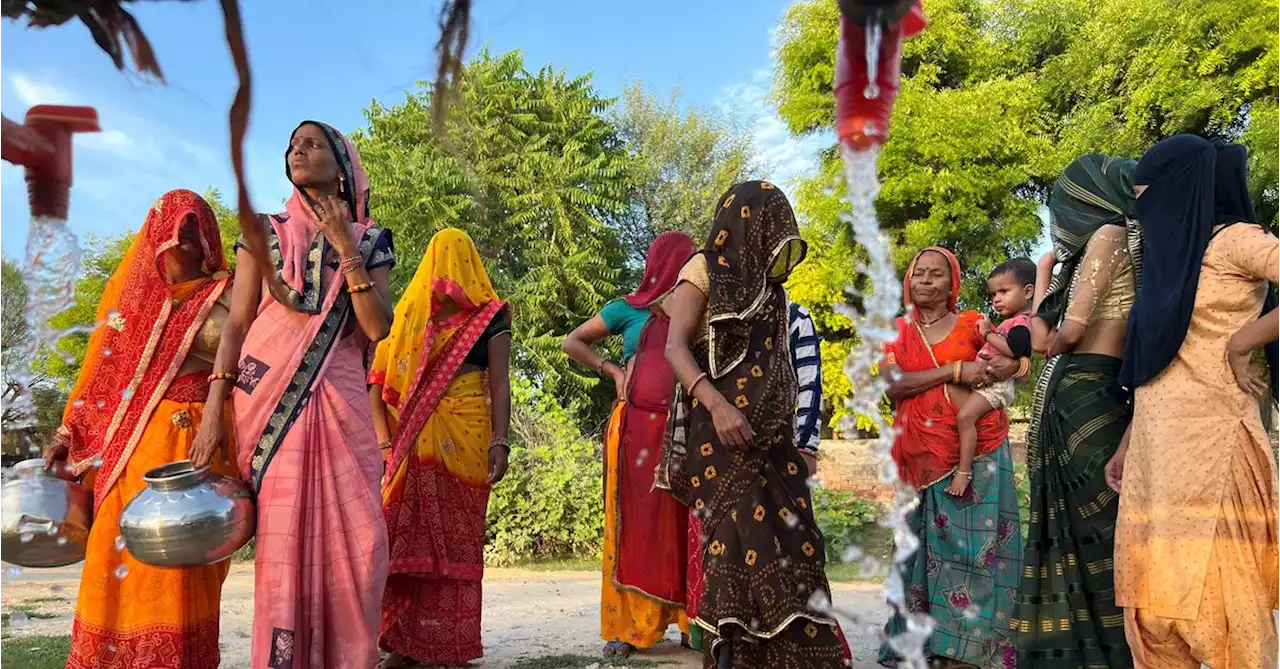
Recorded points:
(844, 520)
(551, 504)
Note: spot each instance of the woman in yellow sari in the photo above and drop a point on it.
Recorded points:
(441, 396)
(136, 406)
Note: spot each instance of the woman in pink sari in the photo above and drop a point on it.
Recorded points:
(292, 360)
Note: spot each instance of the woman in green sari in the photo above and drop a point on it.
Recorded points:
(1067, 615)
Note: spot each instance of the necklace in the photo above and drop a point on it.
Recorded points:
(924, 323)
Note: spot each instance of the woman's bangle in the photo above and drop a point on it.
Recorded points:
(223, 376)
(955, 372)
(1024, 367)
(359, 288)
(385, 445)
(600, 367)
(960, 473)
(499, 441)
(696, 382)
(353, 260)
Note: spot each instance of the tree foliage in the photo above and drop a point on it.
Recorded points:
(998, 97)
(683, 159)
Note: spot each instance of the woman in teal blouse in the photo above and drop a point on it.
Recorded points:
(644, 570)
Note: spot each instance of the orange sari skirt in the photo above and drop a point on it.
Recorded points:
(133, 616)
(626, 615)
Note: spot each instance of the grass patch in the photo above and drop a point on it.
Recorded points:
(874, 541)
(29, 610)
(51, 599)
(37, 652)
(560, 564)
(581, 662)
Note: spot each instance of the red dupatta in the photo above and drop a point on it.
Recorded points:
(926, 449)
(146, 326)
(652, 527)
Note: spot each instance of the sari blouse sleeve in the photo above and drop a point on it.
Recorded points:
(1252, 251)
(1103, 257)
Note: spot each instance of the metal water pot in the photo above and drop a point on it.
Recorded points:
(46, 516)
(187, 517)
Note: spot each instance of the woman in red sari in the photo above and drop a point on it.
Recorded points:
(441, 397)
(646, 531)
(135, 407)
(965, 573)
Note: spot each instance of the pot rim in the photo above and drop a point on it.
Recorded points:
(34, 467)
(175, 475)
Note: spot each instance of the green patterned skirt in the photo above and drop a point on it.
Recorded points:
(1067, 615)
(965, 573)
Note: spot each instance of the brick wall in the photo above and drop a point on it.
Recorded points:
(847, 465)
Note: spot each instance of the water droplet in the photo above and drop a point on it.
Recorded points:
(119, 543)
(62, 541)
(26, 537)
(78, 403)
(869, 567)
(13, 572)
(851, 554)
(106, 352)
(644, 455)
(101, 404)
(17, 620)
(972, 611)
(819, 602)
(96, 462)
(33, 449)
(928, 422)
(121, 572)
(126, 393)
(792, 520)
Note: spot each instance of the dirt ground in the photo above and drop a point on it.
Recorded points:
(527, 615)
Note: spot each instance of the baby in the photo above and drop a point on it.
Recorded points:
(1012, 286)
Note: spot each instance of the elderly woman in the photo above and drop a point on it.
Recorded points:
(1067, 614)
(1196, 554)
(965, 573)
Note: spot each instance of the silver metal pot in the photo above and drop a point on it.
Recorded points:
(46, 516)
(187, 517)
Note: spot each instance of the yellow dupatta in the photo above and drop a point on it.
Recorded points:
(425, 349)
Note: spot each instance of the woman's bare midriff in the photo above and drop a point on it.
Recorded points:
(1103, 338)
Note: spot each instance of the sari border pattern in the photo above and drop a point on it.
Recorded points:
(305, 377)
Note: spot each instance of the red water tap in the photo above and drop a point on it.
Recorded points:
(868, 66)
(43, 146)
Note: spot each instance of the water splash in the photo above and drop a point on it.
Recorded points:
(875, 326)
(50, 269)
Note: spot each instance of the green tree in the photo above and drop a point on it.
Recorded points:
(684, 158)
(535, 172)
(228, 223)
(997, 98)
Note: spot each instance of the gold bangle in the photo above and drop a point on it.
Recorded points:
(359, 288)
(696, 382)
(955, 372)
(223, 376)
(1024, 366)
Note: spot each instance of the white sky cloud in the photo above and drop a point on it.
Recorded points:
(783, 157)
(33, 92)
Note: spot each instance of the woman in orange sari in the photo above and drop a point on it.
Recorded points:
(441, 396)
(136, 406)
(646, 568)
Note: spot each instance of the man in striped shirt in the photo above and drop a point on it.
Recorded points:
(806, 358)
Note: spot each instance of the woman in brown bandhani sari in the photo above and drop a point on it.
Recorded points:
(729, 452)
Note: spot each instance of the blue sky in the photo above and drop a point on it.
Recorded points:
(316, 59)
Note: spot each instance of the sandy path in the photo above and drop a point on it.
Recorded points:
(527, 614)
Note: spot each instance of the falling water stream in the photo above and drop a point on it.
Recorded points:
(881, 304)
(50, 270)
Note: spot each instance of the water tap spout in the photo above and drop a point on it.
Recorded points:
(42, 145)
(869, 65)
